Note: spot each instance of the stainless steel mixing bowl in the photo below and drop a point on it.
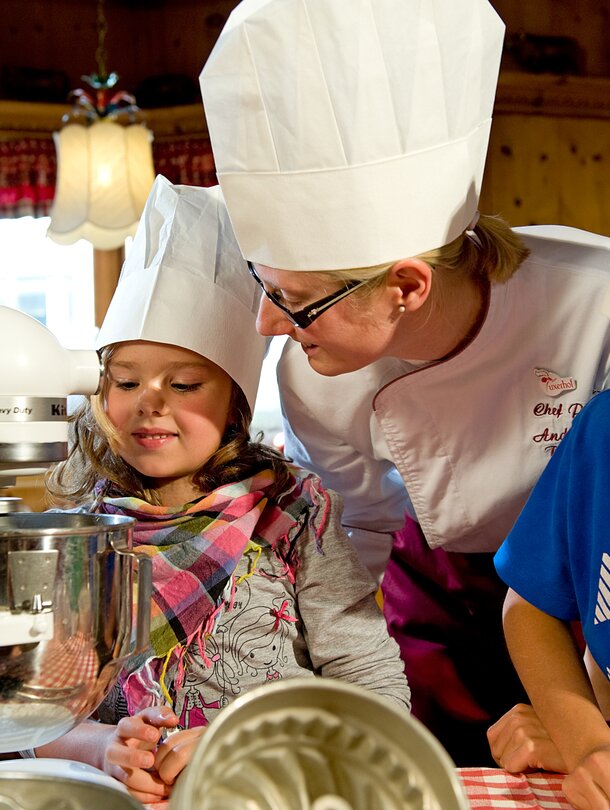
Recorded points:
(67, 588)
(28, 791)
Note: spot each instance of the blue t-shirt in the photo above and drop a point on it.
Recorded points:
(557, 555)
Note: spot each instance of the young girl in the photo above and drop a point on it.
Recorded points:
(253, 577)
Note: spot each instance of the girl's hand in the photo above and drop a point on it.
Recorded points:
(130, 753)
(519, 742)
(176, 752)
(587, 787)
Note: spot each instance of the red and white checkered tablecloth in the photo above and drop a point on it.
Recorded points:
(495, 789)
(491, 788)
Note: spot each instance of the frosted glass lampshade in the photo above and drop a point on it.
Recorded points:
(105, 172)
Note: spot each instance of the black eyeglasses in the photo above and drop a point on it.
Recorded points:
(305, 317)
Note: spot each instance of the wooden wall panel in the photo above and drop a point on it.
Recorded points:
(549, 170)
(31, 490)
(142, 40)
(175, 36)
(548, 159)
(588, 21)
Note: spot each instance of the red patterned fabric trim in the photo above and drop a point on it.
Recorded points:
(28, 171)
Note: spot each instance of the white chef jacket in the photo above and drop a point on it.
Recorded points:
(460, 443)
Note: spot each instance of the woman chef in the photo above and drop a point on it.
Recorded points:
(437, 358)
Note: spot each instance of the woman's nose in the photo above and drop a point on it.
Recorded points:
(271, 320)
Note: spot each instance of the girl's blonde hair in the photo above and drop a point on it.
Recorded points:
(93, 455)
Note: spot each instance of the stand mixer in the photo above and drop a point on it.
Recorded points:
(67, 581)
(36, 376)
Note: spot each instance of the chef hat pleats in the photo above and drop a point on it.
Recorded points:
(186, 283)
(347, 133)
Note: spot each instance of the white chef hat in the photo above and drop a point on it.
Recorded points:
(347, 133)
(185, 282)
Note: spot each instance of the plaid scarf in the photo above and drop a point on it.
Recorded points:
(195, 550)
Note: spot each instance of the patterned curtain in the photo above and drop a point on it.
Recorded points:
(188, 162)
(27, 177)
(28, 171)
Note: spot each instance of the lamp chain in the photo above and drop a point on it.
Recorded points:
(102, 28)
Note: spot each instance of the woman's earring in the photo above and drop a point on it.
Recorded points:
(402, 308)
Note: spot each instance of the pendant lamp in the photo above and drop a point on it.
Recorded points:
(104, 162)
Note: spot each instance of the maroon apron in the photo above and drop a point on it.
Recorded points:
(445, 611)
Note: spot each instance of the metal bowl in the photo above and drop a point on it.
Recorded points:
(317, 744)
(29, 791)
(66, 617)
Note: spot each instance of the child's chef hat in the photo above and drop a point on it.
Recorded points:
(348, 133)
(185, 282)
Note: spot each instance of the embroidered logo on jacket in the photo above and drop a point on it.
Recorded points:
(602, 607)
(552, 384)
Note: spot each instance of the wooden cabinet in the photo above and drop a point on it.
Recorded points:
(31, 490)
